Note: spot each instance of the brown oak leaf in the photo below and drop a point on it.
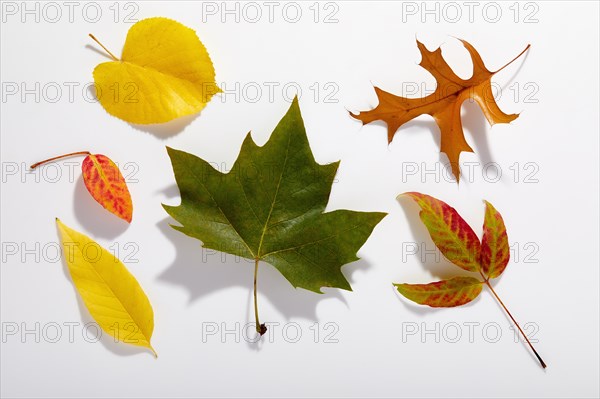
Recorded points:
(444, 104)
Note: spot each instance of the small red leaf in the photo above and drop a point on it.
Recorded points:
(106, 184)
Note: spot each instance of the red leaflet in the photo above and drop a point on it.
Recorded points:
(449, 231)
(443, 294)
(104, 182)
(495, 252)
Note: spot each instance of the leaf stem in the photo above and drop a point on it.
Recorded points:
(72, 154)
(516, 324)
(153, 352)
(105, 49)
(260, 328)
(514, 59)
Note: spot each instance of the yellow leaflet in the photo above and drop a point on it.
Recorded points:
(110, 292)
(164, 73)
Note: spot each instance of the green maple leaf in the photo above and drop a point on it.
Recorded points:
(270, 207)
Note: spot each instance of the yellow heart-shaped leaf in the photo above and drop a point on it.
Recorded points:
(164, 73)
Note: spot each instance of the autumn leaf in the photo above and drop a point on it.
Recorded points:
(271, 207)
(164, 73)
(449, 230)
(444, 104)
(442, 294)
(111, 294)
(104, 181)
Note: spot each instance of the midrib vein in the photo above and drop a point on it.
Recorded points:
(287, 151)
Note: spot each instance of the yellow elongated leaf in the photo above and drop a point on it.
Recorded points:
(449, 231)
(112, 295)
(164, 73)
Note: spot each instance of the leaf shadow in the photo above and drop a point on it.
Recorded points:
(171, 191)
(93, 217)
(162, 131)
(415, 126)
(169, 129)
(96, 334)
(202, 271)
(473, 122)
(476, 125)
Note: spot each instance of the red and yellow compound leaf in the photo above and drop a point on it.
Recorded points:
(448, 230)
(442, 294)
(106, 184)
(453, 236)
(444, 104)
(104, 181)
(495, 251)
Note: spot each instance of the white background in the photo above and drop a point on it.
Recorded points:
(550, 207)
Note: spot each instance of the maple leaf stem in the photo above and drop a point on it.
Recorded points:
(514, 59)
(260, 328)
(516, 324)
(72, 154)
(105, 49)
